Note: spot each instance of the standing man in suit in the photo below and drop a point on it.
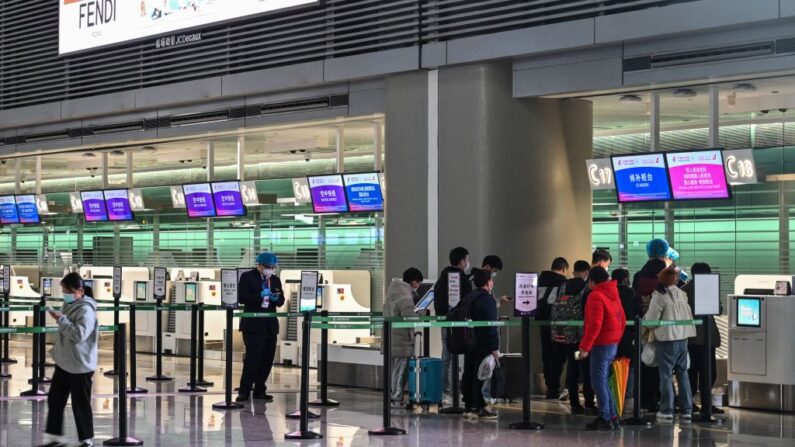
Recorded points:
(259, 290)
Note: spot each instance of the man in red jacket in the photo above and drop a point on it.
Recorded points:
(604, 326)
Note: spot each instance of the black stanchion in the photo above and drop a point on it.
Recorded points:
(527, 373)
(637, 418)
(387, 429)
(455, 384)
(324, 401)
(134, 388)
(159, 377)
(194, 321)
(43, 379)
(228, 403)
(122, 439)
(6, 337)
(116, 346)
(303, 413)
(705, 379)
(3, 316)
(200, 380)
(426, 342)
(34, 368)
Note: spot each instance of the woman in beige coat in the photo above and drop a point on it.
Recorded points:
(399, 302)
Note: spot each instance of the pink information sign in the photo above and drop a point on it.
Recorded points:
(697, 175)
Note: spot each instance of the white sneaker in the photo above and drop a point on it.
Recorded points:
(447, 400)
(470, 415)
(665, 416)
(686, 416)
(564, 395)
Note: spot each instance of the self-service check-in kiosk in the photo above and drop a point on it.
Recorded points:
(761, 367)
(193, 292)
(145, 321)
(20, 288)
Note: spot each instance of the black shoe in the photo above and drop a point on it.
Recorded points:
(591, 411)
(577, 409)
(54, 444)
(86, 444)
(600, 425)
(716, 410)
(485, 414)
(241, 398)
(263, 396)
(616, 423)
(696, 409)
(552, 395)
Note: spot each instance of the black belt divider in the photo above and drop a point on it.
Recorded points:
(303, 413)
(116, 347)
(637, 419)
(194, 322)
(6, 322)
(324, 401)
(386, 374)
(228, 403)
(159, 377)
(455, 383)
(122, 439)
(200, 379)
(37, 339)
(134, 388)
(705, 379)
(527, 372)
(43, 379)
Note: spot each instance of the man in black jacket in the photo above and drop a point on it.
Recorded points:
(482, 307)
(459, 264)
(259, 290)
(549, 283)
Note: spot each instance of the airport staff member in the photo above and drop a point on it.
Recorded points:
(259, 290)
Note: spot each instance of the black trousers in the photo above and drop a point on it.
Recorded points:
(257, 362)
(552, 359)
(78, 386)
(576, 369)
(649, 387)
(471, 387)
(697, 372)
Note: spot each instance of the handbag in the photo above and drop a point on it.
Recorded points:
(649, 354)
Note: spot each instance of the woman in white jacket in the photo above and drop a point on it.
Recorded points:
(669, 303)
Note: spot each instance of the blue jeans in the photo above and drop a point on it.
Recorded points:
(672, 358)
(601, 359)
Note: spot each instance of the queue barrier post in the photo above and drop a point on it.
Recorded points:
(5, 311)
(637, 419)
(324, 401)
(43, 379)
(34, 380)
(526, 424)
(303, 413)
(6, 337)
(200, 381)
(159, 377)
(134, 388)
(228, 403)
(455, 383)
(121, 360)
(192, 386)
(387, 429)
(705, 385)
(116, 346)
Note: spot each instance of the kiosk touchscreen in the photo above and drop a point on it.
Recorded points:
(141, 289)
(46, 287)
(191, 290)
(749, 312)
(783, 288)
(426, 301)
(89, 283)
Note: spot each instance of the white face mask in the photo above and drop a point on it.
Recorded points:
(268, 272)
(467, 267)
(494, 275)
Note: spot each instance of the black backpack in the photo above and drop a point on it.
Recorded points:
(461, 340)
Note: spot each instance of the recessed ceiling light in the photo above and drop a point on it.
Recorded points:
(149, 148)
(630, 98)
(774, 92)
(116, 153)
(684, 93)
(744, 87)
(88, 154)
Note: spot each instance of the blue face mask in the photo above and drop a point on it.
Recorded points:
(68, 298)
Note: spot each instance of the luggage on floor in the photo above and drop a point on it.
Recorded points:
(425, 377)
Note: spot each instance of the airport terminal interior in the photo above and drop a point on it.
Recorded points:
(162, 150)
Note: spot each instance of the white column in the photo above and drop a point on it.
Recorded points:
(433, 171)
(340, 149)
(210, 161)
(130, 169)
(104, 170)
(378, 143)
(38, 174)
(241, 158)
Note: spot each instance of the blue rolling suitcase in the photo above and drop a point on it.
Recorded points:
(425, 381)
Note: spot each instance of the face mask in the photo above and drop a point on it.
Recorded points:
(467, 267)
(269, 272)
(68, 298)
(494, 275)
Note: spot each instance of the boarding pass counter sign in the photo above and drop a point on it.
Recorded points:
(229, 288)
(526, 301)
(308, 296)
(117, 282)
(160, 283)
(453, 289)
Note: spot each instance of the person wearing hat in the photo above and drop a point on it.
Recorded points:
(259, 290)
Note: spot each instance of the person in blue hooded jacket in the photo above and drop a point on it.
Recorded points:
(259, 290)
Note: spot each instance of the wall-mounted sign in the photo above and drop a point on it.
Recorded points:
(248, 190)
(41, 204)
(136, 199)
(76, 202)
(600, 174)
(177, 197)
(740, 166)
(88, 24)
(301, 190)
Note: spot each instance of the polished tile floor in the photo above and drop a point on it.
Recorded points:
(165, 417)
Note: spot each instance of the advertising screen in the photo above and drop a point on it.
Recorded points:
(27, 210)
(698, 175)
(641, 178)
(748, 312)
(199, 200)
(94, 206)
(228, 201)
(8, 210)
(117, 202)
(88, 24)
(328, 194)
(364, 192)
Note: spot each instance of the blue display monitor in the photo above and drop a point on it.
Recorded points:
(199, 200)
(26, 208)
(641, 178)
(117, 202)
(363, 192)
(749, 312)
(94, 208)
(8, 210)
(228, 201)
